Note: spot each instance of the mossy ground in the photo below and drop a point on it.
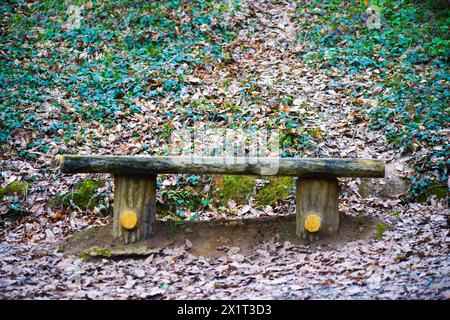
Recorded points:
(85, 192)
(241, 188)
(15, 191)
(261, 191)
(277, 189)
(94, 253)
(381, 229)
(17, 187)
(237, 188)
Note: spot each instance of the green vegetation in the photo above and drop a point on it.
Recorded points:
(440, 191)
(85, 192)
(69, 85)
(277, 189)
(241, 188)
(179, 200)
(236, 188)
(394, 213)
(381, 229)
(15, 191)
(408, 56)
(55, 73)
(17, 187)
(185, 195)
(94, 253)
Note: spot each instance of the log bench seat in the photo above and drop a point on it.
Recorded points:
(135, 185)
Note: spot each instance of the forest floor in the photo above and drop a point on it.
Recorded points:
(406, 257)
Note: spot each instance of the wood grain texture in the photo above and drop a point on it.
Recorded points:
(318, 196)
(138, 195)
(137, 165)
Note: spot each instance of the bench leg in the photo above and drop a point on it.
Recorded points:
(134, 207)
(317, 207)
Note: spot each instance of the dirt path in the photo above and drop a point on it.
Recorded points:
(409, 261)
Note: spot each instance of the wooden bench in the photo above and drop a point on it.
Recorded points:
(135, 185)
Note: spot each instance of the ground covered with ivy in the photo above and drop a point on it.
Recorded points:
(134, 72)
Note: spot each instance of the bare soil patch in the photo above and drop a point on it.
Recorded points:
(212, 238)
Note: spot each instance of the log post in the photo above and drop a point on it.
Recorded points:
(134, 207)
(316, 207)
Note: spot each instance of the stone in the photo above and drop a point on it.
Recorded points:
(391, 187)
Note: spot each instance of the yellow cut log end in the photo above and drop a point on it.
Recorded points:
(128, 220)
(312, 223)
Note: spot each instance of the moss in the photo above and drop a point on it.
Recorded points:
(238, 188)
(17, 187)
(235, 188)
(94, 252)
(277, 189)
(84, 256)
(394, 213)
(83, 196)
(381, 229)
